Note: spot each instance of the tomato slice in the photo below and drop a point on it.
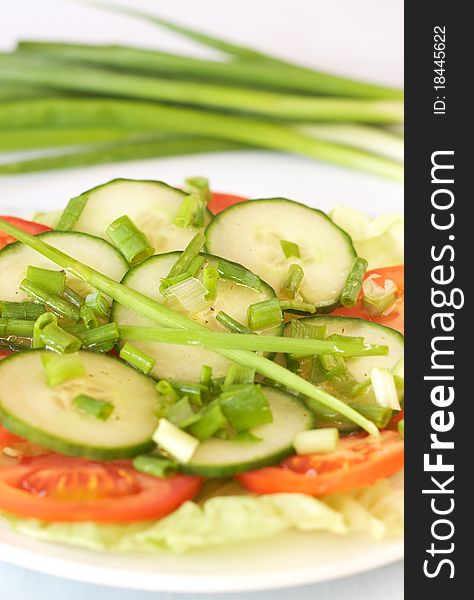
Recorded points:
(4, 353)
(221, 201)
(65, 489)
(28, 226)
(396, 317)
(7, 438)
(359, 461)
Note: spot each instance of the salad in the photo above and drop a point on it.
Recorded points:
(181, 368)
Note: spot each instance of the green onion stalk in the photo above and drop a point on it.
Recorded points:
(165, 317)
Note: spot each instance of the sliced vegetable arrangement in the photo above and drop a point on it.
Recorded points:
(91, 104)
(137, 368)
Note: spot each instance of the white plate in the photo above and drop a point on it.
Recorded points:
(285, 560)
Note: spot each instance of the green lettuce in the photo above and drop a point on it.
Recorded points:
(377, 239)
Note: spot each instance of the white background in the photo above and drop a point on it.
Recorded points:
(361, 38)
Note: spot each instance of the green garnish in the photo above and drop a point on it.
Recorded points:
(131, 242)
(100, 409)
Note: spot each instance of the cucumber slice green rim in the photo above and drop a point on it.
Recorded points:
(94, 251)
(151, 205)
(185, 362)
(47, 417)
(250, 233)
(373, 333)
(225, 458)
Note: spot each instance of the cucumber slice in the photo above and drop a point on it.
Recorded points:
(185, 362)
(151, 205)
(250, 233)
(223, 458)
(93, 251)
(47, 416)
(373, 333)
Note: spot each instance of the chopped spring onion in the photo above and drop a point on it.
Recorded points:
(72, 297)
(231, 324)
(62, 367)
(360, 387)
(99, 304)
(293, 281)
(71, 213)
(305, 330)
(298, 306)
(131, 242)
(240, 275)
(195, 266)
(401, 428)
(377, 306)
(50, 281)
(16, 328)
(211, 420)
(41, 322)
(290, 249)
(190, 212)
(316, 440)
(170, 281)
(210, 278)
(181, 413)
(55, 303)
(88, 317)
(195, 391)
(255, 343)
(154, 465)
(101, 338)
(199, 186)
(176, 442)
(237, 375)
(56, 339)
(25, 311)
(245, 436)
(167, 397)
(206, 376)
(190, 293)
(353, 285)
(377, 299)
(165, 317)
(265, 314)
(384, 388)
(187, 256)
(379, 415)
(336, 337)
(245, 407)
(100, 409)
(137, 359)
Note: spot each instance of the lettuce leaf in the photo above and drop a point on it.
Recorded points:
(379, 239)
(376, 510)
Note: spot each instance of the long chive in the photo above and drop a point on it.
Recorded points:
(245, 73)
(58, 340)
(188, 255)
(28, 311)
(131, 242)
(140, 115)
(99, 304)
(238, 341)
(55, 303)
(59, 368)
(321, 82)
(231, 324)
(350, 291)
(72, 213)
(211, 420)
(154, 465)
(210, 279)
(100, 409)
(265, 314)
(119, 152)
(290, 249)
(293, 281)
(107, 335)
(15, 328)
(285, 106)
(298, 306)
(137, 359)
(50, 281)
(163, 316)
(238, 274)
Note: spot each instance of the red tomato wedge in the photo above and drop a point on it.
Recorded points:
(4, 353)
(221, 201)
(65, 489)
(28, 226)
(359, 461)
(7, 438)
(396, 317)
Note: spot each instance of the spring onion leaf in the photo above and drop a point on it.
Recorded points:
(210, 278)
(211, 420)
(55, 303)
(100, 409)
(231, 324)
(59, 368)
(245, 407)
(24, 311)
(16, 328)
(137, 358)
(131, 242)
(290, 249)
(50, 281)
(293, 281)
(154, 465)
(350, 291)
(72, 213)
